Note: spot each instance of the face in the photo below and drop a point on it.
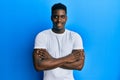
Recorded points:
(59, 19)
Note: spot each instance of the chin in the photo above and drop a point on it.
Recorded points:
(60, 28)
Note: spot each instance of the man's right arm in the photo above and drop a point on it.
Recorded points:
(44, 61)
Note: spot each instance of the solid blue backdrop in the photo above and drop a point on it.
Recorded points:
(97, 21)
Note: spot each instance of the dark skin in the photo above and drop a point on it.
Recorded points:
(44, 61)
(59, 19)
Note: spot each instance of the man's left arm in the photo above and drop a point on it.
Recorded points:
(78, 64)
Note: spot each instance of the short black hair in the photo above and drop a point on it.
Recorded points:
(59, 6)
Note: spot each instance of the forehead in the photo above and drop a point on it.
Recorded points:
(59, 12)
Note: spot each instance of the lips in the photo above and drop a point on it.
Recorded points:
(59, 24)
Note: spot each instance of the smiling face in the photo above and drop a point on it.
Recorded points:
(59, 19)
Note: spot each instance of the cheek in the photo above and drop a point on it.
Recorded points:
(53, 20)
(64, 21)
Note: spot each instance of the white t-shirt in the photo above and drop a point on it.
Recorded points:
(58, 45)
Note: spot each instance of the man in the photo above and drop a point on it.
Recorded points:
(58, 51)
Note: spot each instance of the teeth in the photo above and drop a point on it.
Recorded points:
(59, 24)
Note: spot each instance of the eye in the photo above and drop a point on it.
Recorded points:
(63, 16)
(55, 16)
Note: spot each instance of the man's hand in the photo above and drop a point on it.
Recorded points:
(42, 54)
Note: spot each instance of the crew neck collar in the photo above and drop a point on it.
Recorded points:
(58, 34)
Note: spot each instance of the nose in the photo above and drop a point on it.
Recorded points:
(59, 19)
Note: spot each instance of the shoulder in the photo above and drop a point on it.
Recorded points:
(73, 34)
(43, 33)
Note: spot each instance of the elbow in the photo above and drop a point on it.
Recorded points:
(41, 67)
(38, 68)
(80, 67)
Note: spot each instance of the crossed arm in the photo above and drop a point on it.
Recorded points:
(44, 61)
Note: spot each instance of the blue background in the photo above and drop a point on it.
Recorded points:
(98, 22)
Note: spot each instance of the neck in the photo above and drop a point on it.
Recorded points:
(59, 31)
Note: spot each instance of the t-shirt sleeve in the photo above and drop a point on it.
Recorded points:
(78, 44)
(40, 41)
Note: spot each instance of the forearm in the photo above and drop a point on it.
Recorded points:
(44, 61)
(49, 63)
(78, 65)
